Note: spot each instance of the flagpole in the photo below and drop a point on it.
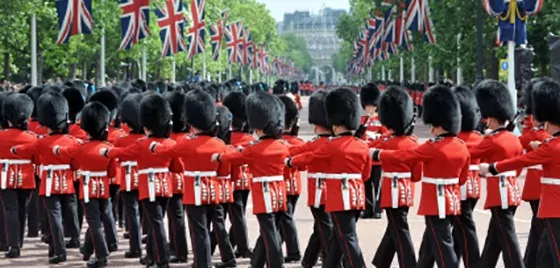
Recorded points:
(229, 71)
(412, 70)
(511, 74)
(402, 70)
(204, 65)
(250, 76)
(383, 72)
(459, 69)
(102, 60)
(431, 70)
(144, 67)
(173, 70)
(34, 49)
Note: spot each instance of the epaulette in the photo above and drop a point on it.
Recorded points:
(549, 140)
(436, 139)
(334, 138)
(413, 138)
(254, 142)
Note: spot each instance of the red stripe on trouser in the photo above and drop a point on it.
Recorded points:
(466, 255)
(90, 233)
(505, 239)
(193, 243)
(437, 242)
(343, 239)
(398, 239)
(553, 239)
(53, 238)
(155, 246)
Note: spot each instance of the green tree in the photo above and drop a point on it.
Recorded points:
(297, 52)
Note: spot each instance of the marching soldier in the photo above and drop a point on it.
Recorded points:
(154, 178)
(532, 187)
(440, 200)
(264, 157)
(369, 98)
(316, 184)
(464, 232)
(175, 211)
(545, 108)
(240, 175)
(130, 117)
(396, 112)
(35, 211)
(57, 174)
(503, 193)
(345, 180)
(17, 175)
(201, 187)
(3, 220)
(95, 172)
(292, 177)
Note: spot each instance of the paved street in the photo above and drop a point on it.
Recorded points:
(34, 253)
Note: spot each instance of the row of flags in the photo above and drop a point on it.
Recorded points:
(75, 17)
(387, 28)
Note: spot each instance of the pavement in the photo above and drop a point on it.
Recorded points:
(370, 232)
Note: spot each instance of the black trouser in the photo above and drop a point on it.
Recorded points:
(345, 241)
(372, 187)
(198, 225)
(268, 248)
(3, 222)
(238, 229)
(535, 233)
(94, 240)
(15, 204)
(54, 205)
(156, 247)
(130, 200)
(45, 223)
(219, 234)
(109, 222)
(464, 235)
(548, 255)
(437, 243)
(501, 238)
(33, 219)
(70, 217)
(319, 239)
(396, 240)
(114, 190)
(176, 227)
(287, 225)
(80, 208)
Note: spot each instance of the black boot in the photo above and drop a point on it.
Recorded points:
(178, 259)
(85, 255)
(12, 253)
(227, 264)
(244, 255)
(146, 260)
(144, 239)
(97, 263)
(158, 265)
(132, 255)
(57, 259)
(292, 258)
(33, 234)
(126, 235)
(113, 247)
(73, 243)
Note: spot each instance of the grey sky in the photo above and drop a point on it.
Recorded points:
(279, 7)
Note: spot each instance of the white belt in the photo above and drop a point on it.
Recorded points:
(550, 181)
(153, 170)
(395, 176)
(48, 188)
(319, 177)
(474, 168)
(200, 173)
(224, 177)
(268, 178)
(87, 175)
(343, 176)
(440, 192)
(5, 163)
(151, 183)
(197, 187)
(316, 175)
(536, 167)
(503, 183)
(127, 175)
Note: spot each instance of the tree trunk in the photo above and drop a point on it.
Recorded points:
(73, 71)
(6, 66)
(492, 63)
(98, 73)
(39, 67)
(544, 67)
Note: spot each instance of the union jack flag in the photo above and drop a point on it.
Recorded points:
(135, 21)
(249, 48)
(197, 31)
(74, 17)
(217, 33)
(429, 35)
(234, 42)
(414, 20)
(171, 21)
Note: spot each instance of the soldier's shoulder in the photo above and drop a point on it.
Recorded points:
(254, 142)
(333, 138)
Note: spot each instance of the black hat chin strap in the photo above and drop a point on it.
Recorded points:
(409, 128)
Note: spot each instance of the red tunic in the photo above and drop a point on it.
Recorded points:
(316, 184)
(496, 146)
(16, 172)
(241, 174)
(349, 166)
(265, 158)
(440, 183)
(374, 128)
(112, 137)
(201, 185)
(292, 176)
(532, 187)
(150, 165)
(59, 171)
(177, 178)
(94, 169)
(397, 188)
(128, 164)
(77, 132)
(527, 124)
(547, 155)
(471, 189)
(33, 125)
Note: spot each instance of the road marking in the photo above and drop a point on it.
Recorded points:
(490, 214)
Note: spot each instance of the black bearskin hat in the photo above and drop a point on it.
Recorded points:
(494, 100)
(3, 96)
(441, 109)
(107, 98)
(396, 110)
(51, 88)
(291, 112)
(265, 112)
(470, 113)
(52, 111)
(130, 112)
(317, 112)
(80, 86)
(75, 102)
(546, 101)
(224, 119)
(369, 95)
(24, 89)
(34, 93)
(280, 87)
(17, 109)
(235, 101)
(155, 115)
(343, 108)
(177, 102)
(201, 110)
(527, 101)
(95, 120)
(140, 84)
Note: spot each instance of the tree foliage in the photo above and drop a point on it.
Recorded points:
(297, 52)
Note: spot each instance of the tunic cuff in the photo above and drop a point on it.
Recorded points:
(375, 155)
(492, 169)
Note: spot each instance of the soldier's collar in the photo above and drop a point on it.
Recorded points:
(349, 133)
(498, 130)
(556, 134)
(448, 134)
(267, 137)
(324, 135)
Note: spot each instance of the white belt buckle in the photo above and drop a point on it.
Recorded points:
(127, 177)
(345, 194)
(267, 197)
(441, 201)
(151, 187)
(86, 189)
(318, 192)
(197, 190)
(48, 184)
(503, 192)
(394, 192)
(464, 191)
(4, 175)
